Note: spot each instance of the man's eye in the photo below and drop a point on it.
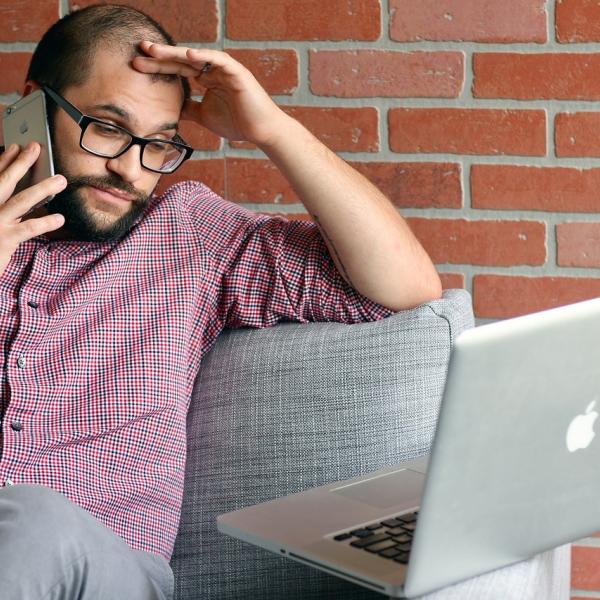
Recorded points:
(105, 129)
(156, 147)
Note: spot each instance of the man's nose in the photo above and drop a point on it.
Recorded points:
(128, 166)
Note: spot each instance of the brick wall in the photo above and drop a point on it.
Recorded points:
(480, 120)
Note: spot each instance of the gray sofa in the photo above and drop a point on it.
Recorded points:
(275, 411)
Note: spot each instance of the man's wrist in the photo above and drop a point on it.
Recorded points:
(286, 131)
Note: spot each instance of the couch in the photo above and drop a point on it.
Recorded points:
(275, 411)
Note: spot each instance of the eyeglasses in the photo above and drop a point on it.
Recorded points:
(110, 141)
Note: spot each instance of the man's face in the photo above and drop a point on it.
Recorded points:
(105, 196)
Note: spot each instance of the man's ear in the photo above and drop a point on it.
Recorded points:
(30, 86)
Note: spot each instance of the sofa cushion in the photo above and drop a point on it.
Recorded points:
(276, 411)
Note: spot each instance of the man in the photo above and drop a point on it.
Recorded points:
(110, 296)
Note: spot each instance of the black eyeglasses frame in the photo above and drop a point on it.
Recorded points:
(84, 120)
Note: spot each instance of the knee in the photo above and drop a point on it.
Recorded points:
(36, 502)
(39, 517)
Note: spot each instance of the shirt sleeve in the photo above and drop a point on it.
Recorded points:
(271, 269)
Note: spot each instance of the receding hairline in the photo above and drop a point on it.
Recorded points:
(127, 51)
(65, 54)
(124, 48)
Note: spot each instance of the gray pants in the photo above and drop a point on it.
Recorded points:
(52, 549)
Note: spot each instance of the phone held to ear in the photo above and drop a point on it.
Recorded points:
(26, 121)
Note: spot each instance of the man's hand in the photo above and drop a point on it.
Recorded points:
(235, 106)
(14, 164)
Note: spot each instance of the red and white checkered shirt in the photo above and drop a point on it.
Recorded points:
(102, 343)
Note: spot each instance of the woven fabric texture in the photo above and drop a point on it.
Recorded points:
(278, 410)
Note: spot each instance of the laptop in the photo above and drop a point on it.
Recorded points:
(514, 469)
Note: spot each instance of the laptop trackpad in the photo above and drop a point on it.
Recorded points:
(391, 489)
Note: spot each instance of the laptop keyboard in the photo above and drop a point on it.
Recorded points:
(389, 539)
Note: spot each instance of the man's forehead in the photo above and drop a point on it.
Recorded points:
(113, 85)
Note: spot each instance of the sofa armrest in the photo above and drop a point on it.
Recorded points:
(275, 411)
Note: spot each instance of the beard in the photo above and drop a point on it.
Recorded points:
(85, 225)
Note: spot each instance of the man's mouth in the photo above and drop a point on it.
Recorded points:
(112, 195)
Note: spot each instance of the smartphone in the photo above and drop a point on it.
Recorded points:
(26, 121)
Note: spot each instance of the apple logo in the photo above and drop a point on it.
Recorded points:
(581, 429)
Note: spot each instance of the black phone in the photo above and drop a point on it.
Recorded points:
(26, 121)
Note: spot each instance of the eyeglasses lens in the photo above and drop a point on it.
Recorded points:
(105, 140)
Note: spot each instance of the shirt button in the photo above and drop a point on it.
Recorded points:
(21, 362)
(8, 482)
(16, 425)
(33, 304)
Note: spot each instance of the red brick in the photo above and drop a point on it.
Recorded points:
(452, 281)
(585, 568)
(495, 21)
(406, 184)
(26, 20)
(536, 76)
(341, 129)
(577, 21)
(468, 131)
(492, 243)
(503, 296)
(200, 138)
(577, 134)
(558, 189)
(185, 20)
(211, 172)
(369, 73)
(578, 244)
(13, 66)
(251, 180)
(335, 20)
(416, 185)
(276, 70)
(349, 129)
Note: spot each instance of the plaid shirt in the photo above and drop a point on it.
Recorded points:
(102, 343)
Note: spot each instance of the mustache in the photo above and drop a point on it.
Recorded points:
(105, 182)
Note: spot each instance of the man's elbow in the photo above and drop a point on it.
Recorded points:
(428, 288)
(433, 289)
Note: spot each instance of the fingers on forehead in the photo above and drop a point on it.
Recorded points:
(207, 55)
(180, 68)
(185, 54)
(149, 65)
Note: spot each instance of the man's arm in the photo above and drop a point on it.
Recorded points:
(371, 244)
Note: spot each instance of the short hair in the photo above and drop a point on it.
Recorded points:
(65, 54)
